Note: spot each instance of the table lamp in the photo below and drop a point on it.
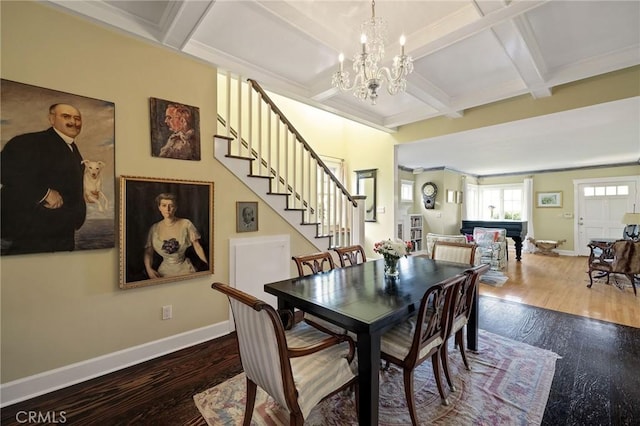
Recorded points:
(632, 230)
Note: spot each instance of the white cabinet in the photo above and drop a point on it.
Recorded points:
(416, 233)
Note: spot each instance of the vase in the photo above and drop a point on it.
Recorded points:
(391, 266)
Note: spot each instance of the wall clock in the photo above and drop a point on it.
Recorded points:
(429, 192)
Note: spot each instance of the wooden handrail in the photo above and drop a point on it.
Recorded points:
(254, 84)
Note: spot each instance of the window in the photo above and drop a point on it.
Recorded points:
(500, 202)
(406, 191)
(608, 190)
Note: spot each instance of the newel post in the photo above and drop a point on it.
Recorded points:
(357, 236)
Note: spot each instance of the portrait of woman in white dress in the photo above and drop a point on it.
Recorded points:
(166, 230)
(170, 238)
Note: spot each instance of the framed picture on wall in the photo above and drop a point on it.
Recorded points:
(58, 172)
(175, 130)
(549, 199)
(166, 230)
(246, 216)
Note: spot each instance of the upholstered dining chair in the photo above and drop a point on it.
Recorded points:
(461, 304)
(454, 252)
(297, 378)
(351, 255)
(412, 342)
(312, 264)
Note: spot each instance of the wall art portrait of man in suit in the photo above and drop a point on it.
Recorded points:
(56, 171)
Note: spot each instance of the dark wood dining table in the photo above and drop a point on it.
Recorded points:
(362, 300)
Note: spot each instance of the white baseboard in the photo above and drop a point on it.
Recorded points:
(48, 381)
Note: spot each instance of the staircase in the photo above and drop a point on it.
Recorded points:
(259, 145)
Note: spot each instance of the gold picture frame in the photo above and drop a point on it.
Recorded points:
(147, 255)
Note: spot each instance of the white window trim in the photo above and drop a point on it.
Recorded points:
(404, 182)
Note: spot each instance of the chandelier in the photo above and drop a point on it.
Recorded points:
(369, 76)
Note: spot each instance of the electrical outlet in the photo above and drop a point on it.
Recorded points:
(167, 312)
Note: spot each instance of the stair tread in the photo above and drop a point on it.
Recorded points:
(239, 157)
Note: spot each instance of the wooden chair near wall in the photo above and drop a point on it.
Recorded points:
(296, 374)
(351, 255)
(312, 264)
(623, 257)
(412, 342)
(454, 252)
(461, 305)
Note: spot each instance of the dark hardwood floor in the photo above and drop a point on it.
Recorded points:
(156, 392)
(597, 381)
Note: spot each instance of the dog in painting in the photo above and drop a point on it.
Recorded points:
(93, 184)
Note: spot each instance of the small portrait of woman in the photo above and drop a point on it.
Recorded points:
(170, 238)
(166, 230)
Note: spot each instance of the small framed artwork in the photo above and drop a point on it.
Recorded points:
(549, 199)
(400, 231)
(458, 197)
(451, 196)
(166, 230)
(175, 130)
(246, 216)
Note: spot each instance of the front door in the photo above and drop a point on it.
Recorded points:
(601, 203)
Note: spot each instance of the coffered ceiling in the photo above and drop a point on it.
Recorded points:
(466, 53)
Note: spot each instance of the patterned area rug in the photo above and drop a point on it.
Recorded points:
(618, 280)
(508, 385)
(494, 278)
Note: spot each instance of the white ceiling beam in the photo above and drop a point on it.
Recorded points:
(521, 47)
(484, 23)
(181, 20)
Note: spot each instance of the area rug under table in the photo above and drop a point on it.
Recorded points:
(508, 385)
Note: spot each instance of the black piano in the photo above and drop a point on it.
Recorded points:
(516, 230)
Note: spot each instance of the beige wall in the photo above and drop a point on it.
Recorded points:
(445, 217)
(550, 223)
(62, 308)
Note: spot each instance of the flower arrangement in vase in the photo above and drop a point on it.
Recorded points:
(392, 251)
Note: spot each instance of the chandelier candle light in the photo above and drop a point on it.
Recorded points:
(392, 251)
(369, 75)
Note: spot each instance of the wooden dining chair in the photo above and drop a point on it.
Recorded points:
(410, 343)
(454, 252)
(312, 264)
(296, 377)
(351, 255)
(461, 304)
